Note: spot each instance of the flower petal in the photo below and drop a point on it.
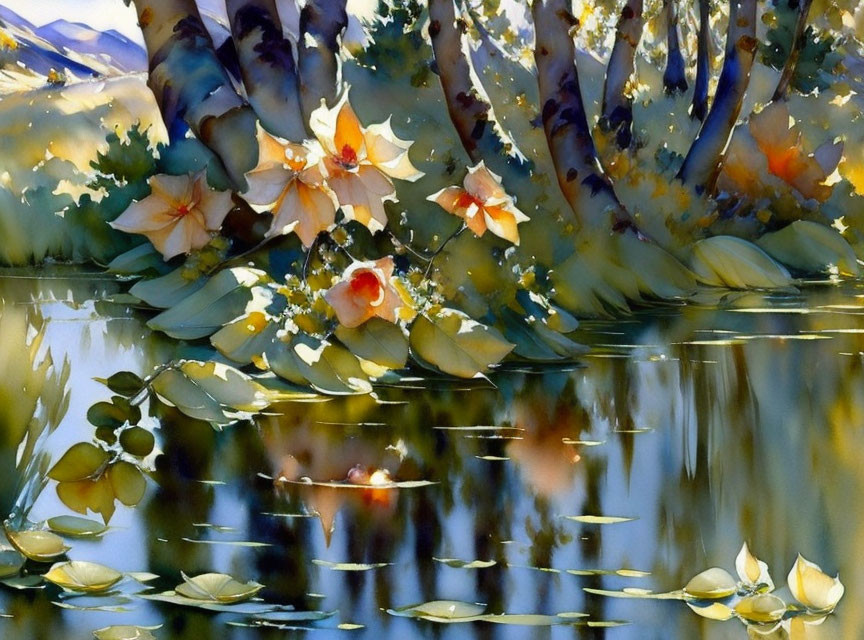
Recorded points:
(148, 214)
(349, 133)
(266, 185)
(175, 190)
(812, 587)
(483, 184)
(389, 153)
(305, 210)
(215, 205)
(448, 199)
(503, 221)
(350, 311)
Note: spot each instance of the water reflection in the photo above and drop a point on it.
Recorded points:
(708, 426)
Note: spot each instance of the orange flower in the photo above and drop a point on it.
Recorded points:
(780, 141)
(483, 204)
(182, 213)
(287, 181)
(360, 162)
(365, 291)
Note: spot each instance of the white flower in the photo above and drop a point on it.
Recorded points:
(813, 588)
(752, 571)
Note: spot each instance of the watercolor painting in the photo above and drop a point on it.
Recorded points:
(490, 319)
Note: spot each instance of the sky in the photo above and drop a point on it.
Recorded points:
(99, 14)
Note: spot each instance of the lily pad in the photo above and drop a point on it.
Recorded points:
(39, 546)
(76, 527)
(713, 584)
(125, 632)
(443, 610)
(87, 577)
(350, 566)
(217, 587)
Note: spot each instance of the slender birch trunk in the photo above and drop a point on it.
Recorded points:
(321, 25)
(703, 63)
(674, 77)
(267, 66)
(191, 86)
(798, 42)
(469, 112)
(585, 185)
(702, 163)
(617, 109)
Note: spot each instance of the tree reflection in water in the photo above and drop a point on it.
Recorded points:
(710, 425)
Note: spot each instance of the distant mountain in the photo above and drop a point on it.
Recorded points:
(71, 46)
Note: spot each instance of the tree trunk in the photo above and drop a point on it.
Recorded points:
(617, 110)
(191, 86)
(585, 185)
(703, 63)
(798, 42)
(321, 24)
(267, 66)
(674, 78)
(469, 112)
(702, 163)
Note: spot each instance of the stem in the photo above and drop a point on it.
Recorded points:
(469, 112)
(267, 66)
(437, 251)
(703, 63)
(401, 245)
(580, 176)
(321, 24)
(702, 164)
(308, 260)
(674, 78)
(799, 39)
(617, 110)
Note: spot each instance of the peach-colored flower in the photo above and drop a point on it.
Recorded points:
(366, 290)
(359, 162)
(288, 182)
(181, 213)
(483, 204)
(774, 147)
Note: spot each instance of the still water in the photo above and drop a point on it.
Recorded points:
(736, 418)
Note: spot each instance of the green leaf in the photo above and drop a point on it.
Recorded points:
(137, 441)
(456, 344)
(377, 340)
(202, 390)
(168, 290)
(125, 383)
(246, 338)
(728, 261)
(113, 414)
(811, 247)
(76, 527)
(329, 368)
(82, 460)
(221, 300)
(142, 258)
(127, 482)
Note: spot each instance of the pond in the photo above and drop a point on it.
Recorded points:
(684, 432)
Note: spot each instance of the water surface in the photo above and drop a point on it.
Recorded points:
(737, 418)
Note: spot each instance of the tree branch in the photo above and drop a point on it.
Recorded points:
(267, 66)
(192, 88)
(321, 24)
(702, 163)
(703, 63)
(617, 110)
(798, 42)
(578, 169)
(674, 78)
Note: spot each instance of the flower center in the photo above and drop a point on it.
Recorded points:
(466, 200)
(367, 286)
(348, 157)
(182, 210)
